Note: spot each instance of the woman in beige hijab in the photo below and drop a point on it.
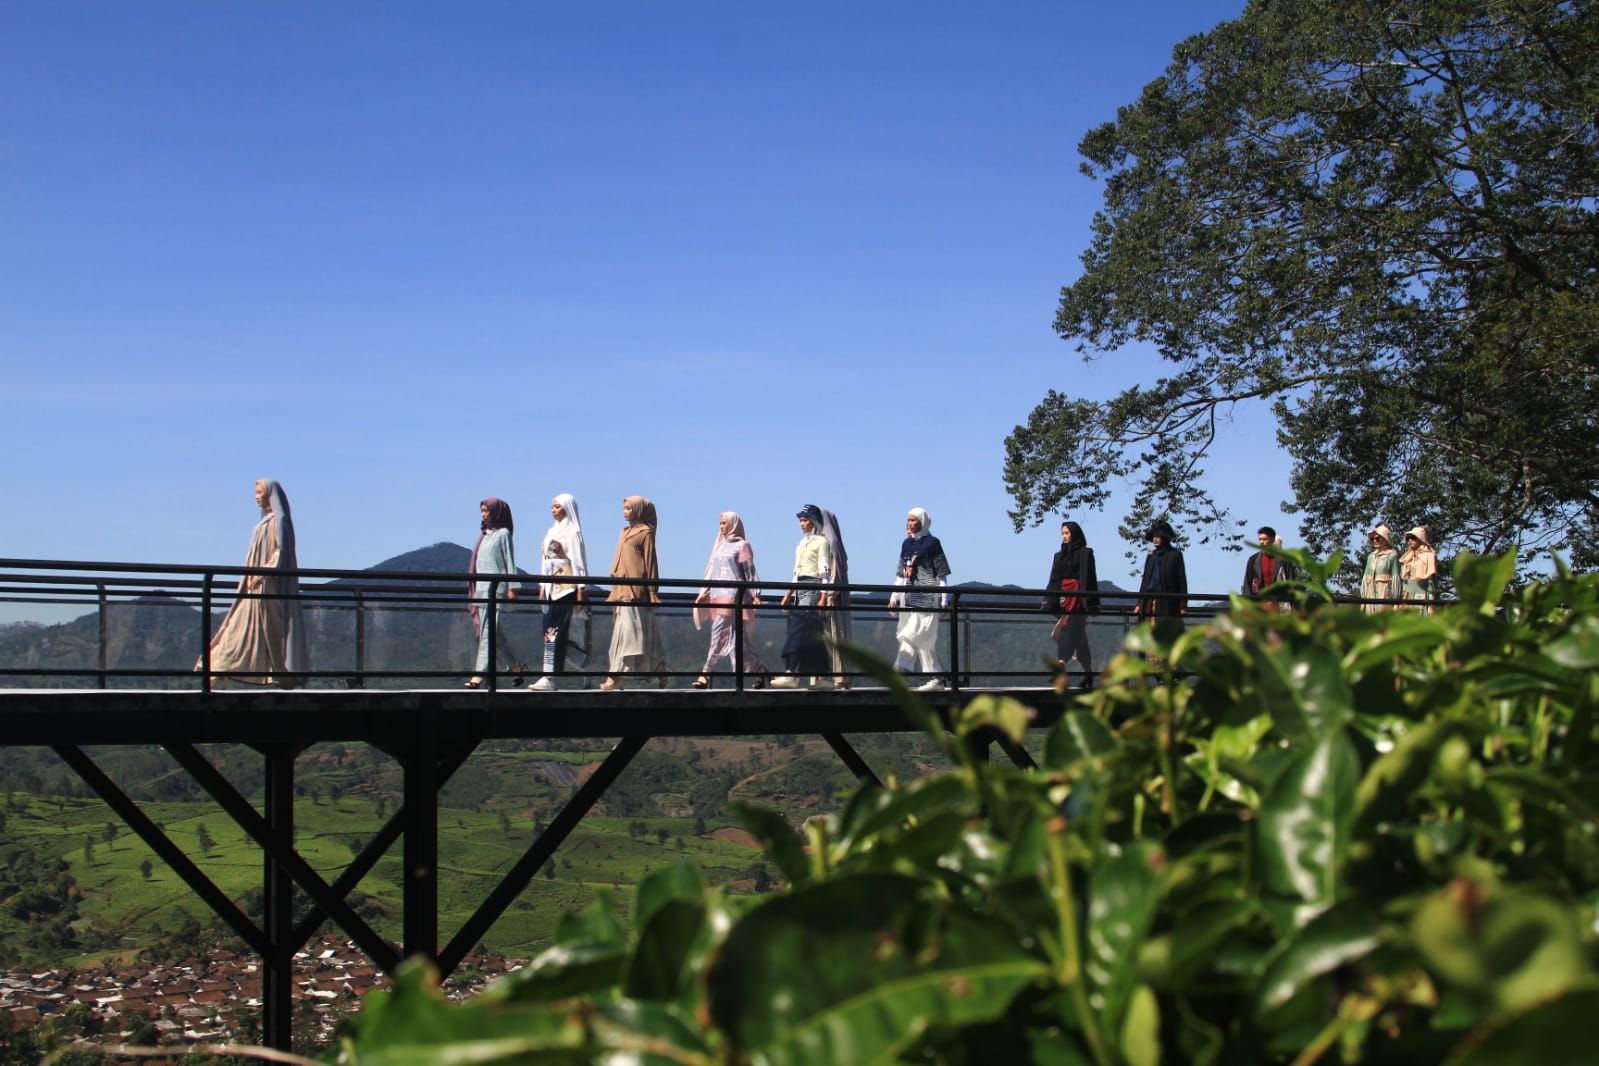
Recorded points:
(1418, 567)
(635, 631)
(262, 640)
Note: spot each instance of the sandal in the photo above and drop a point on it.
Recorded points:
(473, 682)
(664, 679)
(612, 683)
(761, 677)
(702, 681)
(518, 668)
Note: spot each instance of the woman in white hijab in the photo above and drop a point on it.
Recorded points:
(732, 559)
(262, 639)
(563, 556)
(921, 566)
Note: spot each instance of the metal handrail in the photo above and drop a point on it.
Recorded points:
(73, 583)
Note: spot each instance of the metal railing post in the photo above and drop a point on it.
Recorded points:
(102, 598)
(360, 638)
(494, 636)
(954, 639)
(205, 631)
(738, 638)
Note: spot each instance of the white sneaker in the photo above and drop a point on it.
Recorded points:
(543, 684)
(935, 685)
(785, 681)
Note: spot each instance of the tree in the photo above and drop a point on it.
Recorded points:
(1378, 217)
(146, 868)
(111, 830)
(661, 834)
(203, 836)
(88, 847)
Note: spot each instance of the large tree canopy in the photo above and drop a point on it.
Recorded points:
(1380, 218)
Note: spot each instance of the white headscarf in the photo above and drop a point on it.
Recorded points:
(569, 531)
(926, 521)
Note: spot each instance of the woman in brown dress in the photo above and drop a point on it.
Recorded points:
(635, 631)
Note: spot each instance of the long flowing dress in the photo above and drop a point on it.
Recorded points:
(561, 599)
(262, 638)
(635, 631)
(495, 553)
(837, 624)
(804, 652)
(922, 566)
(732, 559)
(1383, 579)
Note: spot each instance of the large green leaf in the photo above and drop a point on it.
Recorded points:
(1122, 898)
(671, 942)
(678, 881)
(1005, 713)
(777, 838)
(1578, 647)
(855, 969)
(1560, 1030)
(1304, 690)
(1339, 936)
(1077, 735)
(893, 808)
(566, 970)
(1502, 944)
(1480, 580)
(595, 924)
(1304, 825)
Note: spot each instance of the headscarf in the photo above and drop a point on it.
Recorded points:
(1163, 529)
(835, 548)
(1382, 530)
(569, 531)
(926, 523)
(276, 510)
(499, 518)
(1420, 533)
(1079, 538)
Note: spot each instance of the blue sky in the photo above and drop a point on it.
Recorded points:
(405, 256)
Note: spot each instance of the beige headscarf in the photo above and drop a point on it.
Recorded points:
(1385, 533)
(1420, 533)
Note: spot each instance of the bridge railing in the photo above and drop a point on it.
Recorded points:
(151, 625)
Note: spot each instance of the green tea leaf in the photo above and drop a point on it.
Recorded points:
(1481, 580)
(1304, 825)
(1122, 898)
(1341, 935)
(777, 838)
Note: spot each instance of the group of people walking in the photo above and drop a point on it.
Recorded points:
(262, 638)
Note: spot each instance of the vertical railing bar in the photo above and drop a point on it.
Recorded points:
(954, 639)
(360, 638)
(494, 635)
(101, 682)
(205, 631)
(738, 638)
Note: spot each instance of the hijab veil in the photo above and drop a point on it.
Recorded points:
(569, 531)
(499, 518)
(277, 512)
(926, 520)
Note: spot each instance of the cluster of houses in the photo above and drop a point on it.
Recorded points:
(216, 998)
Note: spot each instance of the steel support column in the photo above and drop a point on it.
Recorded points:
(277, 892)
(421, 876)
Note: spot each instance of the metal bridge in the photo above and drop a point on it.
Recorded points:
(369, 687)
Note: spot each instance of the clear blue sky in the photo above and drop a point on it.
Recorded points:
(404, 256)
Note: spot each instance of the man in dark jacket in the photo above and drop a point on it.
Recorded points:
(1263, 570)
(1071, 587)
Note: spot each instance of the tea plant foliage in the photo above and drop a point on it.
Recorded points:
(1303, 835)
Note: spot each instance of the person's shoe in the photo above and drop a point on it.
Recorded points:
(543, 684)
(785, 681)
(821, 684)
(935, 685)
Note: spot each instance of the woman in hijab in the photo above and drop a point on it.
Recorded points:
(1418, 567)
(732, 559)
(1072, 580)
(563, 556)
(1382, 579)
(635, 631)
(493, 554)
(836, 622)
(921, 566)
(1165, 582)
(804, 653)
(262, 637)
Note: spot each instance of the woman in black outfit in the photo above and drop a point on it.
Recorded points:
(1072, 583)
